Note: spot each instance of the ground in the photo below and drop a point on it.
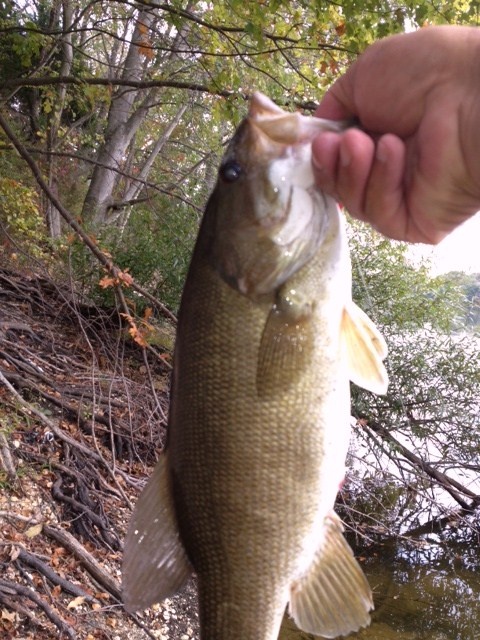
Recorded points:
(82, 420)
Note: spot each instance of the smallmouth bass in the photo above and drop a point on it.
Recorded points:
(268, 339)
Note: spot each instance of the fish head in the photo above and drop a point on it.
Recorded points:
(268, 216)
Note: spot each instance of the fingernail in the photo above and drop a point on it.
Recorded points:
(380, 152)
(345, 157)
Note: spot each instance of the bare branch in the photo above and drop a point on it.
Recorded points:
(450, 485)
(71, 221)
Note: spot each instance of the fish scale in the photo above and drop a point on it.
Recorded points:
(259, 414)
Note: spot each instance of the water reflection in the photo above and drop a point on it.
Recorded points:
(425, 590)
(421, 557)
(428, 589)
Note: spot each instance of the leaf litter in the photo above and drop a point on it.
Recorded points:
(82, 418)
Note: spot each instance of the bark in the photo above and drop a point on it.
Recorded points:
(127, 112)
(6, 459)
(137, 185)
(53, 215)
(124, 118)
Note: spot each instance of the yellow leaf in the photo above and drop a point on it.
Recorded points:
(31, 532)
(76, 602)
(9, 615)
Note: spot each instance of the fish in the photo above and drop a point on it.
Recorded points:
(268, 339)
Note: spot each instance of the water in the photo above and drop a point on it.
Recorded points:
(421, 557)
(423, 560)
(424, 589)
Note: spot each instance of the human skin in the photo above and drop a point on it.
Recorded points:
(412, 168)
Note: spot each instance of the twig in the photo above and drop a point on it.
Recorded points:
(72, 222)
(85, 558)
(7, 601)
(110, 538)
(6, 460)
(35, 562)
(25, 592)
(60, 434)
(450, 485)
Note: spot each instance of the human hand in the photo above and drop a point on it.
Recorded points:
(413, 170)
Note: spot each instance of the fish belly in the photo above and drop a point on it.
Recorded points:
(251, 477)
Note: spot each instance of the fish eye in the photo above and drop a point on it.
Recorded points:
(230, 171)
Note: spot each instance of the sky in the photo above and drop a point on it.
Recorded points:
(460, 251)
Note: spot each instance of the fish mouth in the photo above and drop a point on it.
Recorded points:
(287, 128)
(273, 218)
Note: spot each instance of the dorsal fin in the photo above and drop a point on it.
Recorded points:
(155, 564)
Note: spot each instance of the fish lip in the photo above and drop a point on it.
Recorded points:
(288, 128)
(260, 102)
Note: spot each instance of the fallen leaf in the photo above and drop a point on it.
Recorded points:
(31, 532)
(107, 281)
(11, 616)
(76, 602)
(56, 591)
(14, 553)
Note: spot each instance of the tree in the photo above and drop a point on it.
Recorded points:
(421, 434)
(87, 76)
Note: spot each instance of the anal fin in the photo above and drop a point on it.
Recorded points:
(155, 564)
(333, 598)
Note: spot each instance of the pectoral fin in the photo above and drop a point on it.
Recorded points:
(287, 344)
(155, 564)
(333, 598)
(364, 349)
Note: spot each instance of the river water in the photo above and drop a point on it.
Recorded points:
(424, 570)
(424, 589)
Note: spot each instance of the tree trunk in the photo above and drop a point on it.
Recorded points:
(52, 214)
(125, 116)
(135, 187)
(123, 122)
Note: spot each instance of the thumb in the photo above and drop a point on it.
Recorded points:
(337, 103)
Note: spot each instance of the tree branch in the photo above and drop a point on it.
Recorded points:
(71, 221)
(25, 592)
(67, 586)
(85, 558)
(44, 81)
(11, 83)
(450, 485)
